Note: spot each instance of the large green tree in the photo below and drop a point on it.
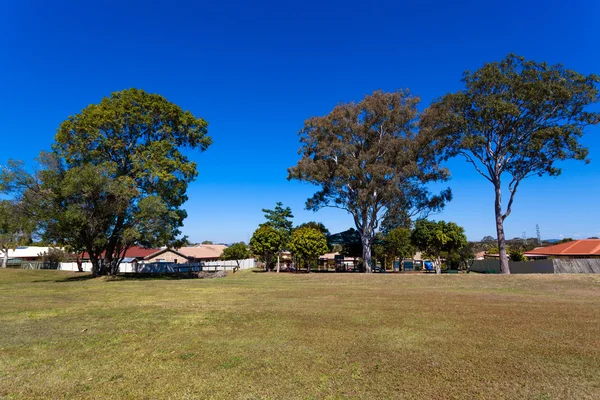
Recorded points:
(369, 158)
(398, 244)
(515, 119)
(280, 218)
(308, 244)
(438, 239)
(266, 243)
(117, 176)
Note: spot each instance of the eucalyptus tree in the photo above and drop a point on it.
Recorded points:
(369, 158)
(515, 119)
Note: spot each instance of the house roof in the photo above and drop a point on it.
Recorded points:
(164, 250)
(133, 252)
(26, 252)
(203, 251)
(585, 247)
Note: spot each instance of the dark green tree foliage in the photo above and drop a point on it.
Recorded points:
(398, 244)
(15, 229)
(117, 176)
(237, 251)
(369, 158)
(265, 243)
(438, 239)
(516, 118)
(315, 225)
(308, 244)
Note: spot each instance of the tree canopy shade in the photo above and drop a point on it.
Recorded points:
(265, 243)
(117, 176)
(308, 244)
(515, 118)
(438, 239)
(370, 158)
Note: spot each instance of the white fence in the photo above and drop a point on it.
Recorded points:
(130, 267)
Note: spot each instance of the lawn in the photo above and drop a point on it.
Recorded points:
(285, 336)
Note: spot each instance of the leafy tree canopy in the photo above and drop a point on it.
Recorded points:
(266, 242)
(308, 244)
(117, 176)
(15, 228)
(369, 158)
(516, 118)
(438, 238)
(315, 225)
(237, 251)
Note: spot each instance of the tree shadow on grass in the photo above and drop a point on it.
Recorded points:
(124, 277)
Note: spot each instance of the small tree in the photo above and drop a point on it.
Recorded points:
(280, 218)
(516, 255)
(266, 242)
(370, 158)
(398, 244)
(308, 244)
(14, 228)
(438, 239)
(516, 118)
(237, 251)
(207, 242)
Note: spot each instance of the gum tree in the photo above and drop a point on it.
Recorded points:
(515, 119)
(369, 158)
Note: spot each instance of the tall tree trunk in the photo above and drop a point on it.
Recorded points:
(5, 259)
(366, 250)
(96, 266)
(500, 230)
(277, 262)
(79, 262)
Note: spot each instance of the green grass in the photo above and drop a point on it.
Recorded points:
(285, 336)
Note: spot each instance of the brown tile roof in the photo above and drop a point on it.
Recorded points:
(585, 247)
(203, 251)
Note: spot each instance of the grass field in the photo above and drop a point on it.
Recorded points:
(284, 336)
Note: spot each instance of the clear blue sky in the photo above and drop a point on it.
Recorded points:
(256, 70)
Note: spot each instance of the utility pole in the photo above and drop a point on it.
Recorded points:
(539, 237)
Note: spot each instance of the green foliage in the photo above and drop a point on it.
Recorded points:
(369, 159)
(117, 176)
(315, 225)
(265, 243)
(237, 251)
(516, 255)
(438, 238)
(15, 229)
(207, 242)
(280, 218)
(308, 244)
(517, 118)
(398, 243)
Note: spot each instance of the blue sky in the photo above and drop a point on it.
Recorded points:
(256, 70)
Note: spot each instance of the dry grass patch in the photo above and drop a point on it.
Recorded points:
(285, 336)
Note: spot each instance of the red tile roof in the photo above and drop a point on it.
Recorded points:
(133, 252)
(585, 247)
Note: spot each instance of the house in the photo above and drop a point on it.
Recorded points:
(26, 253)
(133, 254)
(201, 253)
(586, 248)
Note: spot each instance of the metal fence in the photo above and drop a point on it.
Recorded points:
(548, 266)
